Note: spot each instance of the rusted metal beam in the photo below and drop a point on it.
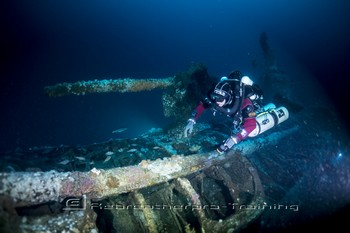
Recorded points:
(29, 188)
(107, 85)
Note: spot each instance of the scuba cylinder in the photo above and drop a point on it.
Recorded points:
(268, 117)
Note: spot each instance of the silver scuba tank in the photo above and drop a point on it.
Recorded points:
(268, 117)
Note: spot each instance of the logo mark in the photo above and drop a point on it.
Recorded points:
(75, 203)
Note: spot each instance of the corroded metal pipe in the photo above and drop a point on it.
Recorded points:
(107, 85)
(29, 188)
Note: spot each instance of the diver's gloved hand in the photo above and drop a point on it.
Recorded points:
(189, 127)
(227, 144)
(213, 154)
(236, 129)
(237, 124)
(237, 119)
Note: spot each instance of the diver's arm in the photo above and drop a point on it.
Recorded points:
(196, 113)
(203, 105)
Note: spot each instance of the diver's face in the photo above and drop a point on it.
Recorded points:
(222, 103)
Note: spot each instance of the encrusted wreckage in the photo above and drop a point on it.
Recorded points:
(164, 186)
(215, 194)
(107, 85)
(181, 92)
(29, 188)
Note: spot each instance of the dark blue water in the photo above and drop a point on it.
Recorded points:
(43, 43)
(48, 42)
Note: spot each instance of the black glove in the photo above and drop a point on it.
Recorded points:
(237, 124)
(227, 144)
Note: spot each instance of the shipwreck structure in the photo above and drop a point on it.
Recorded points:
(181, 92)
(157, 181)
(198, 192)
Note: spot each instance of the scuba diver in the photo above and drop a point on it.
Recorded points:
(236, 97)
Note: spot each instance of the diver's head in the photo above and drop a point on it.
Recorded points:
(222, 94)
(236, 74)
